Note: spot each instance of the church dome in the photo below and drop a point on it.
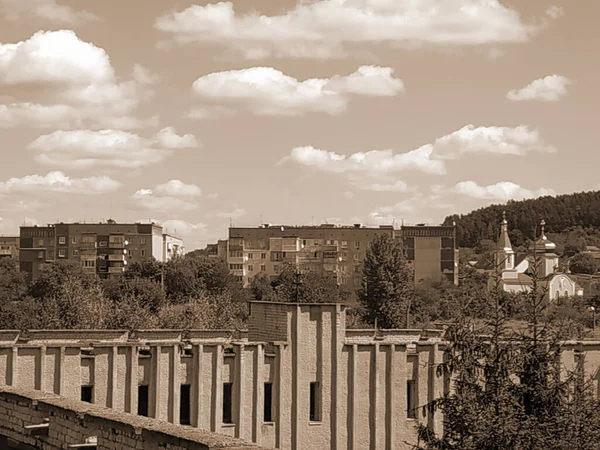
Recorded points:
(543, 244)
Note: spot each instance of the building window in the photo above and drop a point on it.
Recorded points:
(411, 397)
(315, 402)
(303, 242)
(62, 253)
(268, 410)
(62, 240)
(263, 268)
(88, 263)
(143, 253)
(227, 403)
(276, 268)
(250, 268)
(236, 266)
(73, 240)
(143, 401)
(185, 404)
(356, 257)
(236, 254)
(50, 254)
(40, 242)
(102, 244)
(263, 256)
(87, 394)
(356, 245)
(75, 252)
(142, 240)
(41, 255)
(344, 244)
(250, 255)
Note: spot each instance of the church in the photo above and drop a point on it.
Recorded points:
(541, 258)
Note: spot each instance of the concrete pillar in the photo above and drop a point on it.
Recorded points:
(217, 406)
(175, 385)
(61, 371)
(156, 383)
(41, 372)
(240, 380)
(438, 388)
(352, 364)
(280, 398)
(257, 418)
(198, 384)
(390, 427)
(112, 377)
(336, 349)
(295, 376)
(374, 395)
(401, 405)
(132, 381)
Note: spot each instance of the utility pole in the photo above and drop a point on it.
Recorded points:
(297, 283)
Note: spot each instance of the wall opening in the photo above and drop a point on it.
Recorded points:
(184, 404)
(87, 394)
(143, 400)
(411, 397)
(227, 403)
(315, 402)
(268, 411)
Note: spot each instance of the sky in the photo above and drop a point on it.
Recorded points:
(200, 115)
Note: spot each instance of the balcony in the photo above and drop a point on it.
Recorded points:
(119, 257)
(87, 245)
(115, 269)
(116, 244)
(5, 253)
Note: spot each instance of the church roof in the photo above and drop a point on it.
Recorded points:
(543, 244)
(504, 241)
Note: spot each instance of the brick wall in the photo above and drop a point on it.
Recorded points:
(269, 321)
(71, 422)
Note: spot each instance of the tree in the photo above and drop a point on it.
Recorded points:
(387, 287)
(583, 263)
(508, 390)
(69, 297)
(149, 269)
(261, 287)
(292, 284)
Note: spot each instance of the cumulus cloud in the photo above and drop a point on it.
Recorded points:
(58, 79)
(550, 89)
(82, 149)
(44, 9)
(324, 28)
(172, 196)
(502, 191)
(268, 91)
(58, 182)
(176, 188)
(168, 138)
(210, 112)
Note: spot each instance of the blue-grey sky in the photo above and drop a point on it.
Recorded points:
(195, 114)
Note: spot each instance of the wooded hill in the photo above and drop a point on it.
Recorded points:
(563, 214)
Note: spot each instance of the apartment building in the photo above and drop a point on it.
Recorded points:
(101, 248)
(9, 247)
(338, 250)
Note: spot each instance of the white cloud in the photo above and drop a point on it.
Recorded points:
(82, 149)
(210, 112)
(372, 163)
(175, 188)
(168, 138)
(44, 9)
(58, 182)
(469, 139)
(550, 88)
(268, 91)
(57, 79)
(324, 28)
(173, 196)
(142, 75)
(502, 191)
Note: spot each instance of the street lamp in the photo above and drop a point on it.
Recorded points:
(594, 318)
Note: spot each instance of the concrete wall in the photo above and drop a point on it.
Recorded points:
(72, 422)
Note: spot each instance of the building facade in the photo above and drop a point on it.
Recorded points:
(338, 251)
(9, 247)
(101, 248)
(297, 379)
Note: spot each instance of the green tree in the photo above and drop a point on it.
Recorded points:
(388, 287)
(584, 263)
(292, 284)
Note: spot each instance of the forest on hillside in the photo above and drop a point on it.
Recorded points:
(577, 213)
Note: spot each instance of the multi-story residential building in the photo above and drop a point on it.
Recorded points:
(338, 250)
(9, 247)
(102, 248)
(218, 250)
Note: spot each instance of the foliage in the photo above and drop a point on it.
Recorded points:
(508, 390)
(562, 213)
(584, 263)
(388, 288)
